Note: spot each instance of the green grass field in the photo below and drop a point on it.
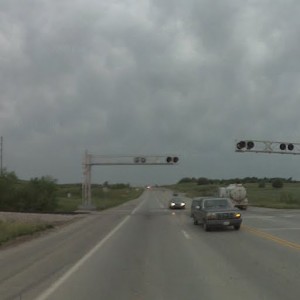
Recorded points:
(101, 198)
(286, 197)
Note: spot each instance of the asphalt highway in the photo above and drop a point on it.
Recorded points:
(143, 250)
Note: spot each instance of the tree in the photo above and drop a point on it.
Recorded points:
(8, 183)
(185, 180)
(202, 181)
(277, 183)
(38, 195)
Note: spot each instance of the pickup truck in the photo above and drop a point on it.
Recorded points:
(217, 212)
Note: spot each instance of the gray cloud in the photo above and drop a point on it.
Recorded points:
(152, 77)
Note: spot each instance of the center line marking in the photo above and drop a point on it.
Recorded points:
(186, 235)
(271, 237)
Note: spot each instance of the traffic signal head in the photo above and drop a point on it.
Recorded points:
(172, 159)
(138, 160)
(245, 145)
(282, 147)
(240, 145)
(289, 146)
(250, 145)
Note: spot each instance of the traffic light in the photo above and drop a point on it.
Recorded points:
(289, 146)
(267, 147)
(240, 145)
(138, 160)
(282, 147)
(250, 145)
(245, 145)
(172, 159)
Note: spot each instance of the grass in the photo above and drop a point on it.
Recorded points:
(286, 197)
(10, 230)
(101, 198)
(193, 190)
(111, 198)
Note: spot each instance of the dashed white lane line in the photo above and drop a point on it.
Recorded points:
(48, 292)
(186, 235)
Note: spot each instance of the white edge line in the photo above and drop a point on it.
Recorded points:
(64, 277)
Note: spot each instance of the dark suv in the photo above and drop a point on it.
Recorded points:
(217, 212)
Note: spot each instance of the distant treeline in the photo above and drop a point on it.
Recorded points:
(205, 181)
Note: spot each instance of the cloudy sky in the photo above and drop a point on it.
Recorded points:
(118, 77)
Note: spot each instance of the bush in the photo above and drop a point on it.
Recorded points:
(186, 180)
(203, 181)
(36, 195)
(262, 184)
(8, 183)
(277, 183)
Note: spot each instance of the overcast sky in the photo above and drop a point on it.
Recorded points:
(187, 77)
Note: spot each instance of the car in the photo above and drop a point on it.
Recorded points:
(195, 202)
(177, 202)
(217, 212)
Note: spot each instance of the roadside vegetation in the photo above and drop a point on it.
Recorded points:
(262, 192)
(44, 195)
(104, 196)
(10, 230)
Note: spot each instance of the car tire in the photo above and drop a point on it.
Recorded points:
(205, 227)
(237, 227)
(195, 222)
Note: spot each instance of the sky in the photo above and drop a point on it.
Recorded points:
(148, 77)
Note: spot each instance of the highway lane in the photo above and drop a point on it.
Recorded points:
(156, 253)
(30, 267)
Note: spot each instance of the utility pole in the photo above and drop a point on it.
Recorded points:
(1, 155)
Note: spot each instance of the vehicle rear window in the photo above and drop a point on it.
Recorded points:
(217, 203)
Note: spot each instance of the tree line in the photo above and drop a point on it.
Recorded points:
(275, 181)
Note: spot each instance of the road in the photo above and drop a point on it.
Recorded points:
(142, 251)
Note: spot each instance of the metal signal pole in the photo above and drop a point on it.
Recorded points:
(90, 160)
(267, 147)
